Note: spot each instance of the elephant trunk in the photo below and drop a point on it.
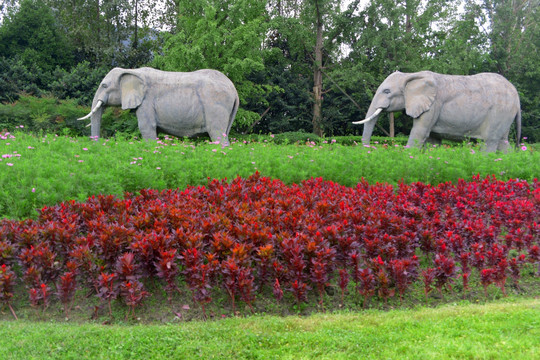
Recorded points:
(372, 117)
(95, 115)
(97, 112)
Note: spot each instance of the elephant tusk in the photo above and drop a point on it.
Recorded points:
(375, 114)
(89, 125)
(98, 105)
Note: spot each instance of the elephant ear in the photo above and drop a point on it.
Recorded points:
(133, 89)
(419, 94)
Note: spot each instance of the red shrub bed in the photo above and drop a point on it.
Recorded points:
(254, 234)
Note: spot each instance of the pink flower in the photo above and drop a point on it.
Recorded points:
(9, 164)
(523, 148)
(85, 149)
(33, 190)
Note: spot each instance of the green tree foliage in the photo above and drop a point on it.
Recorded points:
(32, 35)
(515, 47)
(222, 35)
(292, 61)
(108, 33)
(305, 38)
(407, 36)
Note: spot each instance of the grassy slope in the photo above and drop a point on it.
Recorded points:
(501, 330)
(44, 171)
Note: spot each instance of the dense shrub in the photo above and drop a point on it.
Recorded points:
(50, 115)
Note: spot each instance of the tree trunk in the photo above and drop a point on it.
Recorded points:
(136, 29)
(317, 76)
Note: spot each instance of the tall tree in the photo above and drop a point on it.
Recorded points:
(32, 34)
(392, 35)
(514, 33)
(310, 28)
(222, 35)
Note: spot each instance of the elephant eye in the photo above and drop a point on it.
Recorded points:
(386, 91)
(105, 86)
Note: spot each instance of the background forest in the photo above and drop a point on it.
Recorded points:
(292, 60)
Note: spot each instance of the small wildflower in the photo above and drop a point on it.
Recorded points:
(523, 148)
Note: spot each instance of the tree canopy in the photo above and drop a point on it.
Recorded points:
(298, 65)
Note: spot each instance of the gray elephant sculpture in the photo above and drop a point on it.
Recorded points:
(177, 103)
(454, 107)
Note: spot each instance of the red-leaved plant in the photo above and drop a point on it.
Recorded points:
(167, 270)
(108, 289)
(66, 290)
(514, 265)
(133, 293)
(344, 278)
(445, 269)
(198, 276)
(428, 277)
(7, 282)
(366, 284)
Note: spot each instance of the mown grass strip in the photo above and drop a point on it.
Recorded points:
(500, 330)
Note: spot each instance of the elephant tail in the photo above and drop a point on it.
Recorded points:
(233, 113)
(518, 128)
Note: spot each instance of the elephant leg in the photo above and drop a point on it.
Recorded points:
(491, 145)
(434, 141)
(216, 125)
(147, 123)
(219, 135)
(421, 129)
(503, 143)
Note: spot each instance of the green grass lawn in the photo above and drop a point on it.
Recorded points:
(505, 329)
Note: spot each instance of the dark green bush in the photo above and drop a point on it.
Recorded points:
(47, 114)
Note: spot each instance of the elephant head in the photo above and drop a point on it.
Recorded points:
(120, 87)
(415, 93)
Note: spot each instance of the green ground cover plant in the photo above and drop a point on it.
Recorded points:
(504, 329)
(44, 170)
